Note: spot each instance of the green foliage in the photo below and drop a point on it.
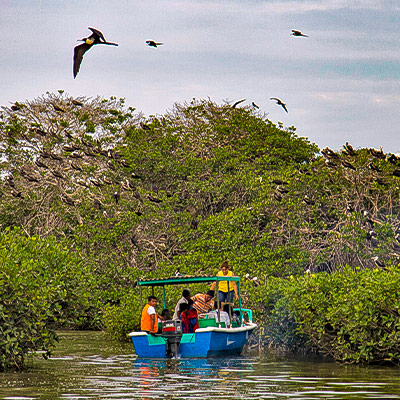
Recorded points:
(132, 197)
(42, 287)
(350, 315)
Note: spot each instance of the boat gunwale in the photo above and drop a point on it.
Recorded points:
(207, 329)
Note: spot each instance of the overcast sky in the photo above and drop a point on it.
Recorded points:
(340, 84)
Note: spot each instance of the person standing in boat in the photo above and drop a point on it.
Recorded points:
(184, 299)
(203, 303)
(148, 321)
(225, 289)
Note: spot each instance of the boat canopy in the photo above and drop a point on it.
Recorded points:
(186, 280)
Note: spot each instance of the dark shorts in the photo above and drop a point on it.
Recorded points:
(225, 297)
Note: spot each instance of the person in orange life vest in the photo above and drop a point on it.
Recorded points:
(149, 322)
(225, 288)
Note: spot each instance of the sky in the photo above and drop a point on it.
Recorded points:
(340, 84)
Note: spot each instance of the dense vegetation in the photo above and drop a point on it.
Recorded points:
(114, 197)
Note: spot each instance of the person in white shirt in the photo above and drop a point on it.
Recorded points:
(224, 316)
(184, 299)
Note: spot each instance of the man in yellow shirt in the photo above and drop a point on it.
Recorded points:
(148, 321)
(225, 288)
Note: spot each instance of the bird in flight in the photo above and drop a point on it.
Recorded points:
(95, 38)
(152, 43)
(298, 33)
(237, 103)
(279, 102)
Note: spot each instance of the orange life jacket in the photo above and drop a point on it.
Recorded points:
(145, 321)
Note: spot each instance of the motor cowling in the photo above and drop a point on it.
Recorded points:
(172, 331)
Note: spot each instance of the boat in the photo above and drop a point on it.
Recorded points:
(211, 339)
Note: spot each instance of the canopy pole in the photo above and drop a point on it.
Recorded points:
(141, 299)
(240, 304)
(219, 306)
(163, 294)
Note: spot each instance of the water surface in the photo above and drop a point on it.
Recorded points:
(86, 365)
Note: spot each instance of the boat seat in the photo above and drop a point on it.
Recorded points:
(207, 322)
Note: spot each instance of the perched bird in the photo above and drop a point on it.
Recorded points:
(40, 132)
(237, 103)
(378, 262)
(179, 273)
(76, 167)
(67, 200)
(57, 174)
(279, 182)
(330, 164)
(277, 196)
(54, 157)
(154, 199)
(144, 126)
(95, 38)
(349, 149)
(346, 164)
(373, 167)
(152, 43)
(134, 240)
(97, 204)
(116, 196)
(76, 103)
(295, 32)
(308, 201)
(17, 106)
(254, 280)
(380, 181)
(279, 102)
(393, 159)
(377, 153)
(282, 189)
(17, 194)
(40, 164)
(58, 108)
(194, 224)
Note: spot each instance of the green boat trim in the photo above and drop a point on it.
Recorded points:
(185, 280)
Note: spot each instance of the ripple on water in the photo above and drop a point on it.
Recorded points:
(88, 366)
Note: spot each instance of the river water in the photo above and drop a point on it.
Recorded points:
(86, 365)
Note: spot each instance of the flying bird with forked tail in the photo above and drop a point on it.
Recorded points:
(95, 38)
(152, 43)
(280, 103)
(295, 32)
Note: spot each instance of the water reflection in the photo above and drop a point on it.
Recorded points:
(88, 366)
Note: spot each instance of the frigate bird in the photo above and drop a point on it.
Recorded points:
(95, 38)
(346, 164)
(279, 102)
(237, 103)
(254, 105)
(295, 32)
(372, 166)
(152, 43)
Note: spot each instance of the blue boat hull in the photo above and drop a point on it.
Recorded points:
(205, 342)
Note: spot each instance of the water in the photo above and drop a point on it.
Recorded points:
(86, 365)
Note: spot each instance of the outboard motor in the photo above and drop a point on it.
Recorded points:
(172, 331)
